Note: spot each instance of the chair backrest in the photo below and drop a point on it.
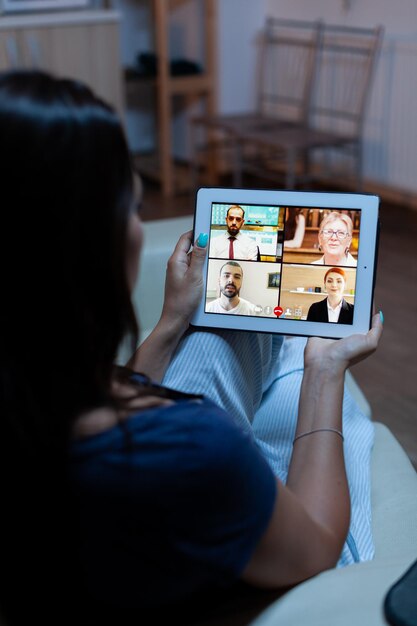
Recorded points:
(287, 64)
(345, 68)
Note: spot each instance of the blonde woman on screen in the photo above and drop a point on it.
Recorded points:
(335, 238)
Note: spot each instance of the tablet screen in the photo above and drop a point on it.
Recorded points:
(290, 262)
(286, 262)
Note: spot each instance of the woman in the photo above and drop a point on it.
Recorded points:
(127, 494)
(334, 308)
(294, 228)
(335, 237)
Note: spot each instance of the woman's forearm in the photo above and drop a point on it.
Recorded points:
(311, 515)
(317, 470)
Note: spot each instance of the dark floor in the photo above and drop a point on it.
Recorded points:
(387, 377)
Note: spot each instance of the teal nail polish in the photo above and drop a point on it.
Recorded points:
(202, 240)
(381, 315)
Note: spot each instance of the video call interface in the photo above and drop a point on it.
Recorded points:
(283, 262)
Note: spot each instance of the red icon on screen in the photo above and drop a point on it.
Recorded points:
(278, 311)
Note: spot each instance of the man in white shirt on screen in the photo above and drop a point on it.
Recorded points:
(233, 244)
(230, 283)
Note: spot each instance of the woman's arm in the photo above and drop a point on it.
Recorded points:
(297, 240)
(311, 515)
(183, 292)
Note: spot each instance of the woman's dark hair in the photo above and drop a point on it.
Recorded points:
(66, 194)
(291, 219)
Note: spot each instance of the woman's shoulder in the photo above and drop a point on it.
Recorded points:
(188, 427)
(351, 261)
(180, 479)
(178, 430)
(318, 305)
(317, 311)
(187, 448)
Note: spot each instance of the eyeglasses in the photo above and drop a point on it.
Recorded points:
(340, 234)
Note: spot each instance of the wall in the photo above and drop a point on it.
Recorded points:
(239, 24)
(391, 125)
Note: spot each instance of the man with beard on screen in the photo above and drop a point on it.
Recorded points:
(233, 244)
(230, 283)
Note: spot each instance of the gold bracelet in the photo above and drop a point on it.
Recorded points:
(320, 430)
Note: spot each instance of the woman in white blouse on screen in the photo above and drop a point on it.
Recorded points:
(335, 237)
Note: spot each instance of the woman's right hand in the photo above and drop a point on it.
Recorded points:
(184, 281)
(338, 355)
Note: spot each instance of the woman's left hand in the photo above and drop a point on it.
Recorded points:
(184, 282)
(183, 292)
(337, 356)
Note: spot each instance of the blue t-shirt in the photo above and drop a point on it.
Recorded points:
(172, 502)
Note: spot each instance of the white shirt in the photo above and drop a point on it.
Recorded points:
(244, 247)
(348, 261)
(334, 313)
(243, 308)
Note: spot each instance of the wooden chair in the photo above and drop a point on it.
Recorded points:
(286, 66)
(335, 121)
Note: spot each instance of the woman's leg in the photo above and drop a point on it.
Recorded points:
(274, 428)
(232, 368)
(256, 378)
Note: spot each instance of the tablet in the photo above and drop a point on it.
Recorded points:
(290, 262)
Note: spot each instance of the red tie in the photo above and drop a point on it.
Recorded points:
(231, 253)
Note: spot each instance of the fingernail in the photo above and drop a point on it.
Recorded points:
(381, 315)
(202, 240)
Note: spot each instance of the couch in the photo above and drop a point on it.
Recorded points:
(339, 597)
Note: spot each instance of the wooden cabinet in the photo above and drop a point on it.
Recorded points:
(81, 44)
(161, 166)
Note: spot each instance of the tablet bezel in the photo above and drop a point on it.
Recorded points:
(366, 259)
